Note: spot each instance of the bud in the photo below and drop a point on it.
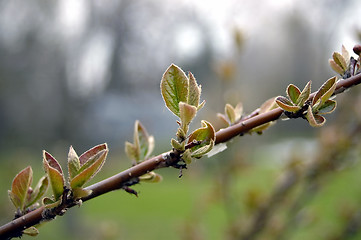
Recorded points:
(357, 49)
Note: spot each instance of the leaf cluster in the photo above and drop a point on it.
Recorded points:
(141, 149)
(181, 94)
(301, 104)
(344, 64)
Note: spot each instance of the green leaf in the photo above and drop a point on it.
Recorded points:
(174, 88)
(31, 231)
(238, 110)
(313, 119)
(203, 150)
(305, 94)
(194, 91)
(181, 134)
(230, 113)
(200, 106)
(205, 135)
(145, 141)
(73, 163)
(187, 156)
(51, 203)
(38, 192)
(131, 152)
(339, 59)
(151, 177)
(55, 174)
(81, 192)
(91, 167)
(20, 187)
(328, 107)
(337, 68)
(324, 93)
(345, 54)
(286, 104)
(176, 145)
(293, 93)
(262, 127)
(187, 113)
(143, 144)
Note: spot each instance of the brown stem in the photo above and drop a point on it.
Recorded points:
(117, 181)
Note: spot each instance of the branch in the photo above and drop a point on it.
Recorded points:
(15, 227)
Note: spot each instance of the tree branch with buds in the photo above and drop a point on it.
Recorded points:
(181, 94)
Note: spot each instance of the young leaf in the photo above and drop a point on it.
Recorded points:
(131, 152)
(55, 174)
(187, 113)
(313, 119)
(194, 91)
(151, 177)
(267, 106)
(339, 59)
(223, 118)
(80, 192)
(324, 93)
(177, 145)
(305, 94)
(198, 153)
(146, 142)
(286, 104)
(230, 113)
(328, 107)
(38, 192)
(174, 88)
(293, 93)
(86, 156)
(205, 135)
(345, 55)
(337, 68)
(31, 231)
(90, 168)
(217, 149)
(73, 163)
(143, 144)
(238, 110)
(20, 187)
(187, 156)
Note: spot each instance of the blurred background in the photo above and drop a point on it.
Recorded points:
(80, 72)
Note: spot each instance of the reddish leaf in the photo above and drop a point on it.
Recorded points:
(20, 187)
(91, 153)
(93, 166)
(55, 174)
(38, 192)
